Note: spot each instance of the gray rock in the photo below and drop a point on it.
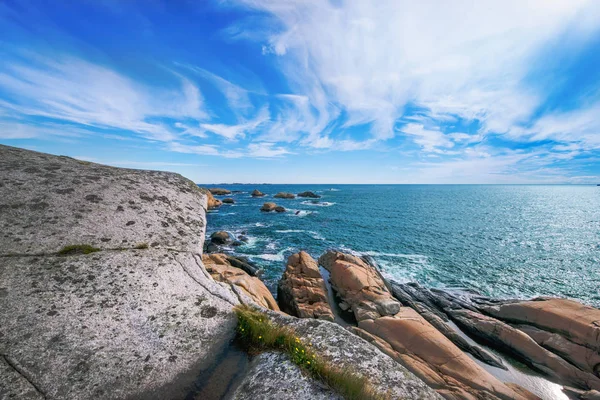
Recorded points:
(117, 323)
(272, 376)
(343, 348)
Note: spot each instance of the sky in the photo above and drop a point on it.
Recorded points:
(309, 91)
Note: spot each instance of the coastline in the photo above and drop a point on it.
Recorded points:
(146, 312)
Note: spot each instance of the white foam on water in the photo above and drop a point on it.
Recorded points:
(290, 231)
(313, 234)
(259, 224)
(299, 213)
(279, 256)
(320, 204)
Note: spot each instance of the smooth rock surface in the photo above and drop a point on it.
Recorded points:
(257, 193)
(284, 195)
(219, 191)
(309, 194)
(118, 323)
(301, 291)
(221, 269)
(272, 376)
(267, 207)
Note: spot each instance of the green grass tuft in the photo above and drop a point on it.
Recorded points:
(258, 333)
(77, 249)
(141, 246)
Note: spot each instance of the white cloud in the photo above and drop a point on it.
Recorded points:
(372, 58)
(74, 90)
(429, 139)
(241, 130)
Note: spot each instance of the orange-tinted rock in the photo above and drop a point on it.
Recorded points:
(407, 337)
(211, 202)
(576, 322)
(301, 291)
(219, 267)
(436, 359)
(284, 195)
(267, 207)
(359, 285)
(257, 193)
(219, 191)
(521, 344)
(584, 358)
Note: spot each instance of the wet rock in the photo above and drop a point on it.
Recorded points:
(221, 237)
(228, 200)
(311, 195)
(267, 207)
(406, 336)
(219, 191)
(285, 195)
(243, 238)
(279, 209)
(434, 319)
(502, 335)
(257, 193)
(575, 321)
(219, 266)
(301, 291)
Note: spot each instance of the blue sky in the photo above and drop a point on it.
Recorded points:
(310, 91)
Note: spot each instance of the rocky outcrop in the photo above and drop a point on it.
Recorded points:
(524, 347)
(405, 293)
(574, 321)
(120, 322)
(311, 195)
(228, 200)
(224, 268)
(284, 195)
(219, 191)
(342, 348)
(257, 193)
(268, 371)
(211, 202)
(359, 285)
(301, 291)
(221, 237)
(407, 337)
(268, 207)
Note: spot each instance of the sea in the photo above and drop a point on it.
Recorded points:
(503, 241)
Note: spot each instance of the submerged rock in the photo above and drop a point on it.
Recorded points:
(228, 200)
(219, 191)
(309, 194)
(279, 209)
(301, 291)
(284, 195)
(257, 193)
(224, 268)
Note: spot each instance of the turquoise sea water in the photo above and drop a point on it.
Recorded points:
(503, 241)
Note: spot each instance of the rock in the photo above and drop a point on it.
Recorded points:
(309, 194)
(243, 238)
(219, 191)
(279, 209)
(406, 336)
(221, 237)
(578, 394)
(412, 341)
(584, 358)
(244, 264)
(433, 318)
(342, 348)
(359, 285)
(237, 243)
(524, 347)
(220, 267)
(257, 193)
(267, 207)
(301, 291)
(212, 203)
(284, 195)
(123, 323)
(576, 322)
(228, 200)
(272, 376)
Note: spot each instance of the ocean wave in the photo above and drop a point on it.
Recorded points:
(300, 213)
(313, 234)
(260, 225)
(334, 190)
(320, 204)
(279, 256)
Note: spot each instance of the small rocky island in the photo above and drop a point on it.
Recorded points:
(106, 293)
